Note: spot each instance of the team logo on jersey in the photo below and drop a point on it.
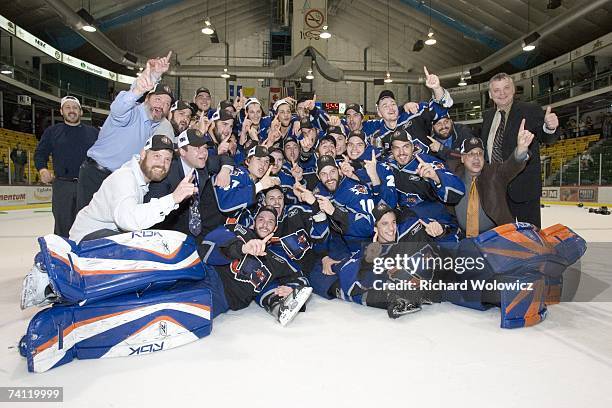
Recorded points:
(296, 244)
(359, 189)
(251, 270)
(237, 171)
(438, 165)
(414, 178)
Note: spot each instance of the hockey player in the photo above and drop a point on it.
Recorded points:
(203, 101)
(246, 182)
(348, 205)
(253, 267)
(423, 184)
(361, 277)
(307, 108)
(362, 165)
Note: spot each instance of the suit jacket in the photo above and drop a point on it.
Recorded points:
(492, 185)
(178, 220)
(528, 184)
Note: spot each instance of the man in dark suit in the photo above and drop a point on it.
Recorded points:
(484, 206)
(200, 214)
(498, 129)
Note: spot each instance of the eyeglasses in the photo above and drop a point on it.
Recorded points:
(474, 154)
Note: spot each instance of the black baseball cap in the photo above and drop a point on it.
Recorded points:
(470, 144)
(159, 142)
(305, 123)
(200, 90)
(354, 106)
(162, 89)
(259, 151)
(222, 115)
(335, 129)
(326, 137)
(385, 94)
(290, 139)
(440, 117)
(380, 210)
(227, 103)
(324, 161)
(357, 133)
(401, 135)
(180, 105)
(193, 137)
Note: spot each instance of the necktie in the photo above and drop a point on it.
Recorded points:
(471, 224)
(195, 222)
(496, 154)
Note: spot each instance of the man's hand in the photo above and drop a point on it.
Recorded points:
(303, 194)
(268, 181)
(523, 140)
(185, 189)
(334, 121)
(435, 145)
(46, 176)
(144, 82)
(239, 102)
(204, 124)
(296, 127)
(426, 170)
(325, 204)
(223, 147)
(310, 103)
(433, 229)
(550, 119)
(283, 291)
(370, 166)
(347, 169)
(297, 172)
(431, 81)
(223, 178)
(159, 66)
(411, 107)
(256, 247)
(327, 265)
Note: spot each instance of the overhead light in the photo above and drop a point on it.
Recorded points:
(462, 82)
(225, 75)
(528, 47)
(325, 34)
(88, 20)
(208, 30)
(260, 79)
(6, 71)
(309, 75)
(476, 106)
(388, 79)
(430, 38)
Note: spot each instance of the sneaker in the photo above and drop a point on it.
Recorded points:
(291, 305)
(400, 306)
(36, 289)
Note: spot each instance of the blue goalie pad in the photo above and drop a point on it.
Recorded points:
(210, 250)
(125, 263)
(126, 325)
(522, 302)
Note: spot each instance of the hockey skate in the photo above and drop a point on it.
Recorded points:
(291, 305)
(37, 290)
(399, 306)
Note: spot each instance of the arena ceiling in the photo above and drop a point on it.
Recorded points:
(467, 31)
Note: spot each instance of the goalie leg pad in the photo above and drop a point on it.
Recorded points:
(524, 305)
(126, 325)
(124, 263)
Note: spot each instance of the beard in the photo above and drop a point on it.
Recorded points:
(71, 118)
(179, 127)
(153, 173)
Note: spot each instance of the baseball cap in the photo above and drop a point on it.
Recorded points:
(200, 90)
(385, 94)
(180, 105)
(401, 135)
(69, 98)
(269, 209)
(192, 137)
(226, 104)
(159, 142)
(305, 124)
(354, 106)
(222, 115)
(357, 133)
(380, 210)
(259, 151)
(440, 117)
(162, 89)
(290, 139)
(278, 103)
(471, 143)
(326, 138)
(335, 129)
(250, 102)
(325, 161)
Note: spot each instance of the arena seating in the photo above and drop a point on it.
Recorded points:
(8, 141)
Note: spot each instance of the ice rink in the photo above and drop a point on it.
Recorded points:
(340, 354)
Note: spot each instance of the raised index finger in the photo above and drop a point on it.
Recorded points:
(522, 128)
(267, 238)
(548, 110)
(419, 159)
(426, 71)
(169, 55)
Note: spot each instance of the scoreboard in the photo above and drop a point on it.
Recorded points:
(331, 107)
